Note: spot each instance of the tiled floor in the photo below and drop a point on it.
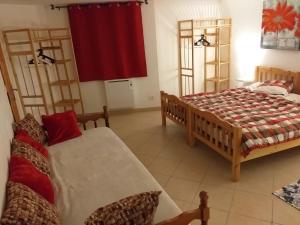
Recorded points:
(184, 171)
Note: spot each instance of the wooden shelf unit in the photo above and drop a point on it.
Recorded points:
(44, 88)
(217, 57)
(216, 67)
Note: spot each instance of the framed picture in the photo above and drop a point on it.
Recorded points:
(281, 24)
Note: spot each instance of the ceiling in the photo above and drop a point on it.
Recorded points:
(51, 1)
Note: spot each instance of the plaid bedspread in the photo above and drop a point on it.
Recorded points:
(265, 119)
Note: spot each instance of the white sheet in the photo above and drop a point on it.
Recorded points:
(97, 169)
(6, 134)
(292, 97)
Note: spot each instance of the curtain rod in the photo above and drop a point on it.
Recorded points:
(59, 7)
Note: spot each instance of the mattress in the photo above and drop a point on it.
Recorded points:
(96, 169)
(265, 119)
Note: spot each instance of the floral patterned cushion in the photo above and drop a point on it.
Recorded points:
(137, 209)
(24, 206)
(26, 151)
(32, 127)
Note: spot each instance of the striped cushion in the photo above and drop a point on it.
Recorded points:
(32, 127)
(26, 151)
(137, 209)
(24, 206)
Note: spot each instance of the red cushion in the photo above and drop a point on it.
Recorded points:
(22, 171)
(24, 137)
(61, 127)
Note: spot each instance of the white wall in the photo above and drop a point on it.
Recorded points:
(6, 134)
(246, 33)
(93, 93)
(167, 14)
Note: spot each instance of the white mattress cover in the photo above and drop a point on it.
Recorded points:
(96, 169)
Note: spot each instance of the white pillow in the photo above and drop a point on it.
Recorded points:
(293, 97)
(253, 86)
(272, 90)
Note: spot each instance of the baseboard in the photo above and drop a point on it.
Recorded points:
(127, 111)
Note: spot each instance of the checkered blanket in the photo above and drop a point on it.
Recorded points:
(265, 119)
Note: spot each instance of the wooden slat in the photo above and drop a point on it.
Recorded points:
(66, 102)
(34, 105)
(19, 43)
(20, 53)
(63, 82)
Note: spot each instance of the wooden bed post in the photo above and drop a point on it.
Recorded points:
(236, 154)
(162, 102)
(190, 122)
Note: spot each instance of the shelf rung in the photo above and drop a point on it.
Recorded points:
(51, 47)
(21, 53)
(34, 105)
(33, 96)
(57, 38)
(60, 61)
(19, 43)
(210, 34)
(217, 79)
(66, 102)
(186, 68)
(216, 62)
(63, 82)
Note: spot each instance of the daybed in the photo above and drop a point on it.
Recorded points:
(96, 169)
(91, 171)
(227, 136)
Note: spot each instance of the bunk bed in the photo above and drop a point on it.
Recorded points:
(224, 137)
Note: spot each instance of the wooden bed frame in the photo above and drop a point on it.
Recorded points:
(218, 134)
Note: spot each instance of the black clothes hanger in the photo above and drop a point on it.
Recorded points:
(202, 41)
(44, 57)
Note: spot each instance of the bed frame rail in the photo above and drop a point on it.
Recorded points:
(173, 108)
(218, 134)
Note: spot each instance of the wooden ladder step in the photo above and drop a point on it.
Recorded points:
(63, 82)
(66, 102)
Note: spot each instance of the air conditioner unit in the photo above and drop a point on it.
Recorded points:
(119, 94)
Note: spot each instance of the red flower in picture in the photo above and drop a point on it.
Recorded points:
(280, 18)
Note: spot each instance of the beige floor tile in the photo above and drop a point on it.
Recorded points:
(219, 197)
(145, 159)
(222, 179)
(193, 169)
(236, 219)
(161, 178)
(254, 181)
(182, 189)
(285, 214)
(281, 179)
(183, 205)
(253, 205)
(217, 217)
(134, 142)
(184, 171)
(164, 166)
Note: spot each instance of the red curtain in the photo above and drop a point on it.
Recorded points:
(108, 40)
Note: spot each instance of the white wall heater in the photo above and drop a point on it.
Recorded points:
(119, 94)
